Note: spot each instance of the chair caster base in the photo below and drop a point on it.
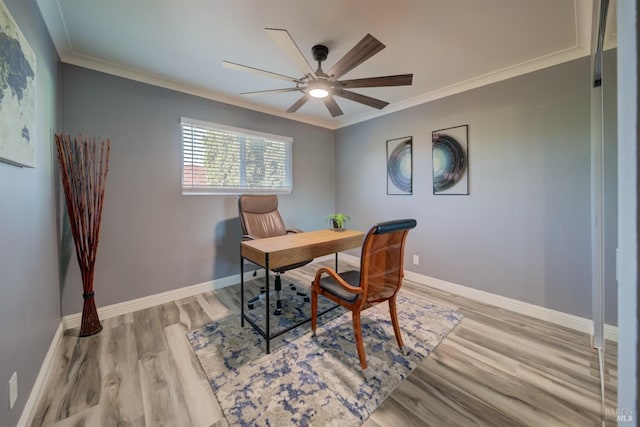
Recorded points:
(292, 287)
(278, 312)
(307, 299)
(250, 303)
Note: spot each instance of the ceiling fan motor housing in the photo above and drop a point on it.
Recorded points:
(320, 52)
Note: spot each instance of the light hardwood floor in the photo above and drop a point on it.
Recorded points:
(496, 368)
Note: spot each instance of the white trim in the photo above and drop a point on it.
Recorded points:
(57, 29)
(148, 78)
(476, 82)
(56, 25)
(557, 317)
(73, 320)
(29, 410)
(611, 332)
(473, 83)
(564, 319)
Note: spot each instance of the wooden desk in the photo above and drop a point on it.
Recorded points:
(274, 252)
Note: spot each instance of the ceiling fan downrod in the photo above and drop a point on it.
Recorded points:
(320, 53)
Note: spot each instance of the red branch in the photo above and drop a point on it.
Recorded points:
(84, 164)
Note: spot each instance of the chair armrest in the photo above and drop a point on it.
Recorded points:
(294, 231)
(247, 237)
(335, 276)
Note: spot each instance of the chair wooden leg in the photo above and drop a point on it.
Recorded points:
(357, 332)
(314, 310)
(394, 320)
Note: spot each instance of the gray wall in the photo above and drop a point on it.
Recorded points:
(29, 291)
(152, 238)
(523, 232)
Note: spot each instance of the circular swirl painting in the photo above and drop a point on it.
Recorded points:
(399, 166)
(449, 162)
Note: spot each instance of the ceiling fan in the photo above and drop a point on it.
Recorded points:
(318, 84)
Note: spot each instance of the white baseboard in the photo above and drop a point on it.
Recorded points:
(611, 332)
(557, 317)
(73, 320)
(29, 410)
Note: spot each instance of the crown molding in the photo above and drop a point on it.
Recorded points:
(152, 79)
(476, 82)
(52, 15)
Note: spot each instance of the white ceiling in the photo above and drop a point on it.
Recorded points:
(448, 45)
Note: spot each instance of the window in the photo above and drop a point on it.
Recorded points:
(221, 159)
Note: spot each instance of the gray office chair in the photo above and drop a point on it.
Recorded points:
(259, 218)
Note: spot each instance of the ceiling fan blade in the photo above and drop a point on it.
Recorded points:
(332, 106)
(365, 49)
(234, 66)
(260, 92)
(299, 103)
(399, 80)
(362, 99)
(286, 43)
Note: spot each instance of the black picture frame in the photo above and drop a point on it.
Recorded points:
(450, 161)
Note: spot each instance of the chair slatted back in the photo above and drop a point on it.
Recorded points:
(381, 264)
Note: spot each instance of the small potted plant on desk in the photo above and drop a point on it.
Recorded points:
(338, 220)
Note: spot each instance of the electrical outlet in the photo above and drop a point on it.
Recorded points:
(416, 260)
(13, 389)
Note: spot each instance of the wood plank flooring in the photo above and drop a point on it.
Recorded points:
(497, 368)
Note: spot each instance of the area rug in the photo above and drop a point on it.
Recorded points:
(317, 381)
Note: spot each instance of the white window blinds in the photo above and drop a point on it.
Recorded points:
(221, 159)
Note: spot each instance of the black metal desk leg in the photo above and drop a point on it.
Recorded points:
(266, 284)
(241, 289)
(336, 262)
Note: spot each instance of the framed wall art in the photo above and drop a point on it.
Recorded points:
(400, 166)
(17, 94)
(450, 157)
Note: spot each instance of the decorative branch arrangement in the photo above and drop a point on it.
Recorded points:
(84, 164)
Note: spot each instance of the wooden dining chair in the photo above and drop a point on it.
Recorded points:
(378, 279)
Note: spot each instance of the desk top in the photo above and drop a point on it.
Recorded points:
(297, 247)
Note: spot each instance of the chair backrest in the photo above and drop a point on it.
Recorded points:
(259, 216)
(381, 262)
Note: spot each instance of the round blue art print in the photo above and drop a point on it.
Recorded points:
(449, 162)
(399, 166)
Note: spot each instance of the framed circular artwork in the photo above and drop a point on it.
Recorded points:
(450, 160)
(399, 166)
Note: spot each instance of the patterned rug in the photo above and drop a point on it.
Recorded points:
(308, 381)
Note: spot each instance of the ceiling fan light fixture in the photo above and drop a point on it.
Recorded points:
(319, 89)
(319, 93)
